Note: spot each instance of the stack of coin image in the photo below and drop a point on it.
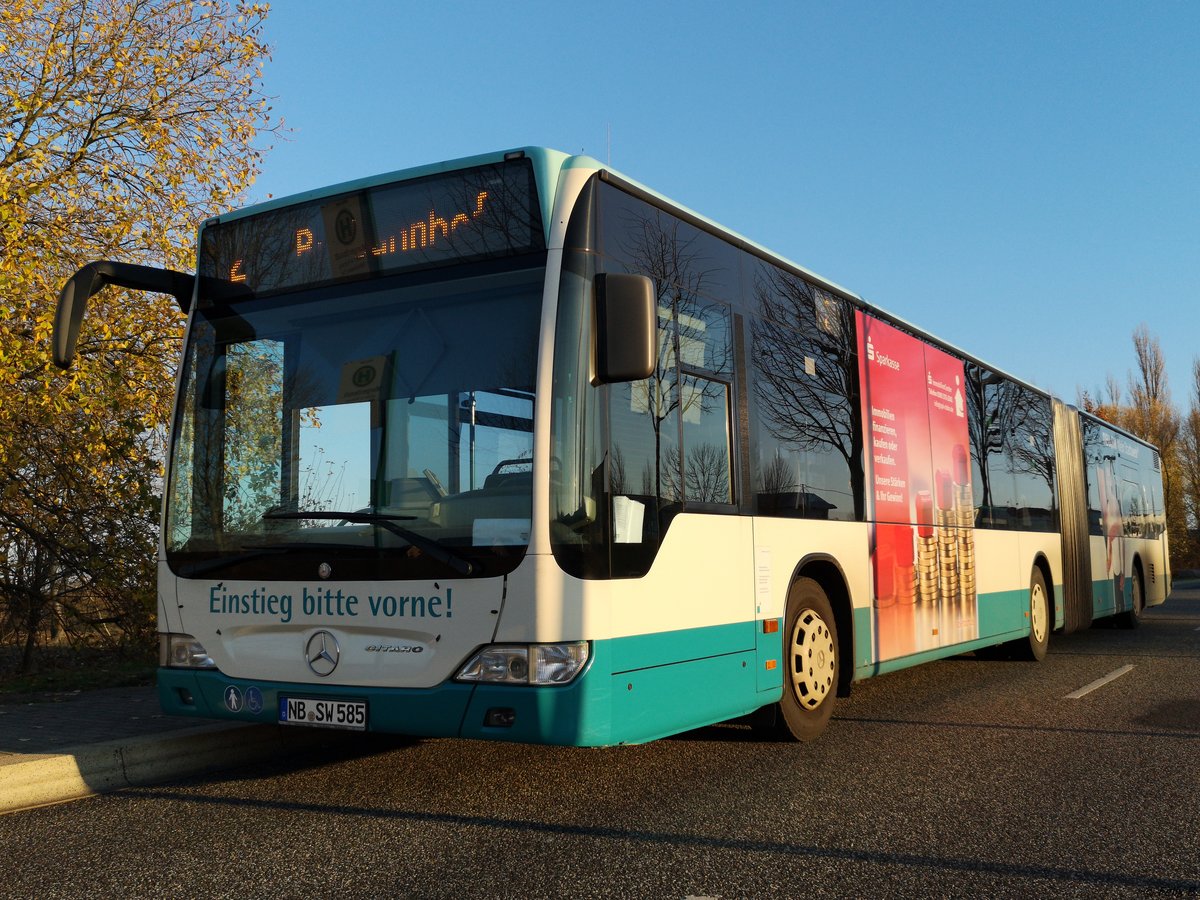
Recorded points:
(927, 550)
(947, 554)
(965, 505)
(947, 539)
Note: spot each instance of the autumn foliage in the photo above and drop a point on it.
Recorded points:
(122, 125)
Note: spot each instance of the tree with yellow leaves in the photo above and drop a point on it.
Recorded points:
(123, 123)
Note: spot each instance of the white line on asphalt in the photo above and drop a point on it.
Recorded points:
(1099, 683)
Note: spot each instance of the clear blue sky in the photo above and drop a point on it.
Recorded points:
(1020, 178)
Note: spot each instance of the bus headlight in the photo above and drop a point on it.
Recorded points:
(543, 664)
(182, 651)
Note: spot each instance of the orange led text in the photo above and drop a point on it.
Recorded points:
(418, 235)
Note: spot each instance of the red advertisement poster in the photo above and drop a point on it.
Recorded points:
(919, 492)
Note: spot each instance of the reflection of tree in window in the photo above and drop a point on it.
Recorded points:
(253, 431)
(264, 254)
(806, 376)
(706, 475)
(508, 219)
(334, 473)
(1011, 439)
(694, 339)
(1099, 453)
(1033, 461)
(775, 477)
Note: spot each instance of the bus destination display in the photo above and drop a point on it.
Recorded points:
(458, 217)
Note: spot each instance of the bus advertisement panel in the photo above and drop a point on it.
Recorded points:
(920, 499)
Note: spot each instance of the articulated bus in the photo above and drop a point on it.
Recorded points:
(513, 447)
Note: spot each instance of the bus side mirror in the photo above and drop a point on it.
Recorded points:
(626, 326)
(72, 301)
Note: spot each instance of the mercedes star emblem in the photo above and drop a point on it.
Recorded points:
(322, 653)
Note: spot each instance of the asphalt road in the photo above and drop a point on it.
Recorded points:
(959, 778)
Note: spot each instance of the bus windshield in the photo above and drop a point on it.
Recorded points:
(381, 428)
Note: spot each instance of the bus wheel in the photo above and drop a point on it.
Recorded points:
(811, 662)
(1038, 643)
(1131, 618)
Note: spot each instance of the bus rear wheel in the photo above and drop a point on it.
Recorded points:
(1132, 618)
(1038, 643)
(811, 662)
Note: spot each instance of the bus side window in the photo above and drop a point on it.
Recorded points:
(704, 331)
(806, 428)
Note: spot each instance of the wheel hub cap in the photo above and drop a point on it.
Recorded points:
(812, 659)
(1039, 613)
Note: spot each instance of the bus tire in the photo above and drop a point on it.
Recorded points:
(1132, 618)
(1035, 646)
(811, 662)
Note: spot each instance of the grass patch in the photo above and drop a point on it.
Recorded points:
(85, 671)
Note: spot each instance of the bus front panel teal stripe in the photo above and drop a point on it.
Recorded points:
(641, 651)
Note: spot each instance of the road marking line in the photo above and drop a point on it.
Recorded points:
(1099, 683)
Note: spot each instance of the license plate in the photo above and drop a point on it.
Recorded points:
(351, 714)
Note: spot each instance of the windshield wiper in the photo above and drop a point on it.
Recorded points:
(431, 546)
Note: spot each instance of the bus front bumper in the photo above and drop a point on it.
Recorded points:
(538, 715)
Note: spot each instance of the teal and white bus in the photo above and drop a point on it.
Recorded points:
(513, 447)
